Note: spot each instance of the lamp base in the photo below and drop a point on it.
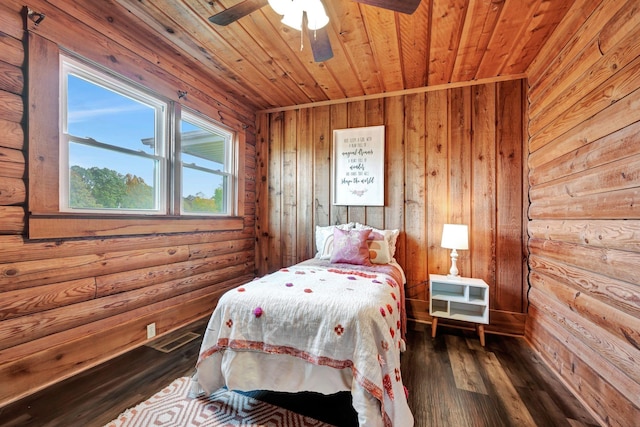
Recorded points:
(453, 272)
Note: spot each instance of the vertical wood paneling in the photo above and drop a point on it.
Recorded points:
(416, 193)
(357, 117)
(374, 108)
(339, 116)
(452, 155)
(460, 164)
(483, 204)
(438, 174)
(584, 252)
(276, 160)
(395, 159)
(304, 218)
(262, 189)
(289, 186)
(322, 180)
(460, 172)
(45, 182)
(509, 203)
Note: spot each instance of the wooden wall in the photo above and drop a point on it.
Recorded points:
(68, 304)
(452, 155)
(584, 226)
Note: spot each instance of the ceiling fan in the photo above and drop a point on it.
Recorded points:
(314, 26)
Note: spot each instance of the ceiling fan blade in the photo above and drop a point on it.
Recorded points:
(238, 11)
(403, 6)
(320, 44)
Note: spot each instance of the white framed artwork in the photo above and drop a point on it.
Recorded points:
(358, 166)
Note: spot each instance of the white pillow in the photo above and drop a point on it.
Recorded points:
(324, 239)
(391, 236)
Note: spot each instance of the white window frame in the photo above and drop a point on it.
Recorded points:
(168, 179)
(230, 161)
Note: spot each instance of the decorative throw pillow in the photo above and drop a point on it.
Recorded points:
(350, 246)
(324, 239)
(378, 249)
(391, 236)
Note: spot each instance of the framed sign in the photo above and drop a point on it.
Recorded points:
(358, 166)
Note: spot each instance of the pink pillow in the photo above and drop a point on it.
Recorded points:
(350, 246)
(324, 239)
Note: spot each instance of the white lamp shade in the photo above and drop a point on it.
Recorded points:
(455, 236)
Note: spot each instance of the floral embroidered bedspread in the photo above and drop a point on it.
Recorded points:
(336, 315)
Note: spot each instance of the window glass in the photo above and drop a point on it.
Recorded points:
(112, 144)
(107, 179)
(107, 116)
(206, 152)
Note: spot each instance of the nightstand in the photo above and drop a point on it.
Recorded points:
(459, 298)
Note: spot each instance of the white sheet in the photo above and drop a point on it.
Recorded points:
(338, 318)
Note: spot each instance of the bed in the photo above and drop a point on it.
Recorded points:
(329, 324)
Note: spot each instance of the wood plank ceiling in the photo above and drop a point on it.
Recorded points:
(259, 61)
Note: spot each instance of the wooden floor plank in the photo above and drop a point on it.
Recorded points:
(527, 371)
(464, 366)
(446, 402)
(515, 408)
(519, 389)
(545, 406)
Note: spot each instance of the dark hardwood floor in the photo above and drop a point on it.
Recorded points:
(452, 381)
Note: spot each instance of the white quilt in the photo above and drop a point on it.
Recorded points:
(339, 316)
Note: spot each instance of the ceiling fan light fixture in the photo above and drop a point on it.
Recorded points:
(293, 17)
(306, 16)
(293, 12)
(281, 7)
(316, 15)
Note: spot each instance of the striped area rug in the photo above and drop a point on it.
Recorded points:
(172, 408)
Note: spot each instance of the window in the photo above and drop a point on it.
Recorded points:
(110, 157)
(116, 156)
(207, 164)
(113, 144)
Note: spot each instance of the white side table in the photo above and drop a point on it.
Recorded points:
(459, 298)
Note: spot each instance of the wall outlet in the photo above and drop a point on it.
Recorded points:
(151, 330)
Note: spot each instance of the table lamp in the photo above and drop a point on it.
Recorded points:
(454, 237)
